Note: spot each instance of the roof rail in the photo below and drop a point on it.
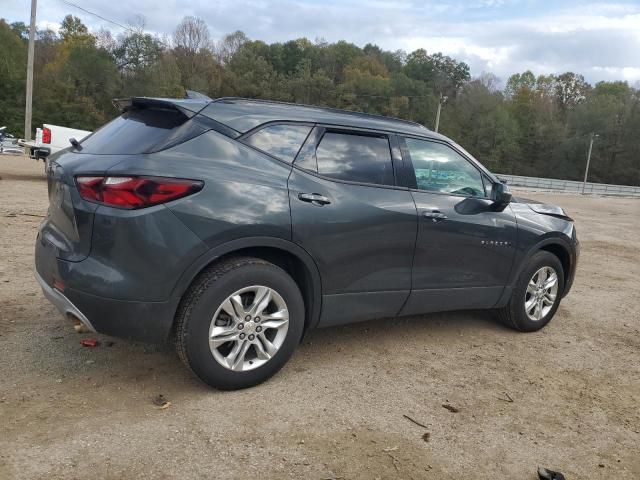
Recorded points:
(333, 109)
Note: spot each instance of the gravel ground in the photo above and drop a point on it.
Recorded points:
(567, 397)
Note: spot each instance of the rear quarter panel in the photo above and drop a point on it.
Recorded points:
(245, 192)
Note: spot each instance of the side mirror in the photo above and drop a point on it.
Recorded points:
(500, 195)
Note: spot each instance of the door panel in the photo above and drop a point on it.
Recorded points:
(463, 260)
(362, 241)
(359, 228)
(465, 246)
(457, 251)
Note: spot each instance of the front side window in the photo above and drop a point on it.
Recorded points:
(281, 141)
(441, 169)
(355, 158)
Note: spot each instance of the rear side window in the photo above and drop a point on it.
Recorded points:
(356, 158)
(281, 141)
(140, 131)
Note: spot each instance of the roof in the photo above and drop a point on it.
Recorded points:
(243, 114)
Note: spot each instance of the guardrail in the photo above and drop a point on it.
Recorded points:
(571, 186)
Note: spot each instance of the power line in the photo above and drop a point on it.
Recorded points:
(71, 4)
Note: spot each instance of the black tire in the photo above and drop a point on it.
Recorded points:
(199, 304)
(513, 314)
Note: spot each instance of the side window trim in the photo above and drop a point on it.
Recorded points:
(410, 170)
(315, 136)
(243, 138)
(486, 181)
(397, 161)
(407, 170)
(309, 148)
(271, 123)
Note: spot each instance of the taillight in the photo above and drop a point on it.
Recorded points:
(46, 135)
(134, 192)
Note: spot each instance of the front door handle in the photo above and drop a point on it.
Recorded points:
(314, 198)
(434, 215)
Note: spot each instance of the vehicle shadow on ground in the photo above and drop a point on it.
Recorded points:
(118, 363)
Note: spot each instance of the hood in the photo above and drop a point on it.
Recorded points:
(543, 208)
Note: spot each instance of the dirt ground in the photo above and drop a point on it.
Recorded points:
(567, 397)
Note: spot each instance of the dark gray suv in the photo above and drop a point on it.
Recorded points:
(235, 225)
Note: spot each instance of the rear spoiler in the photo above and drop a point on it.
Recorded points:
(189, 106)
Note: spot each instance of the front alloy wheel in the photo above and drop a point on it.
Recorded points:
(536, 294)
(541, 294)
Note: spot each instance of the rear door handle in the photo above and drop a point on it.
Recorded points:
(434, 215)
(314, 198)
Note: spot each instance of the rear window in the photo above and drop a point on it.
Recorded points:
(356, 158)
(140, 131)
(281, 141)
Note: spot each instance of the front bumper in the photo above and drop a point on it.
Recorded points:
(574, 266)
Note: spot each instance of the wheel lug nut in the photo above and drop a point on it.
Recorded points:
(258, 329)
(257, 319)
(247, 318)
(251, 337)
(242, 335)
(240, 326)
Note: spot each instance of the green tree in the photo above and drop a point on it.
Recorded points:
(13, 58)
(72, 28)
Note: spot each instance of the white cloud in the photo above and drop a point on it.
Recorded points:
(598, 39)
(47, 25)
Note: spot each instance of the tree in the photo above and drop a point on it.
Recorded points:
(450, 74)
(420, 67)
(192, 35)
(193, 55)
(72, 28)
(229, 45)
(538, 124)
(13, 58)
(137, 50)
(21, 29)
(519, 83)
(310, 87)
(570, 90)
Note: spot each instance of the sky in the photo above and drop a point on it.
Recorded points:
(599, 39)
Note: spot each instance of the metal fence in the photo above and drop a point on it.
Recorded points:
(571, 186)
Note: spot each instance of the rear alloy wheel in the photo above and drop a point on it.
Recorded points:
(536, 294)
(239, 323)
(248, 328)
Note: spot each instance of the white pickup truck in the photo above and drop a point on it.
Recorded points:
(51, 139)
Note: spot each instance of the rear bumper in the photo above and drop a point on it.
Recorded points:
(146, 321)
(62, 303)
(141, 321)
(133, 320)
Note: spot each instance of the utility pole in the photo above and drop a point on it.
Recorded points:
(32, 38)
(440, 103)
(586, 170)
